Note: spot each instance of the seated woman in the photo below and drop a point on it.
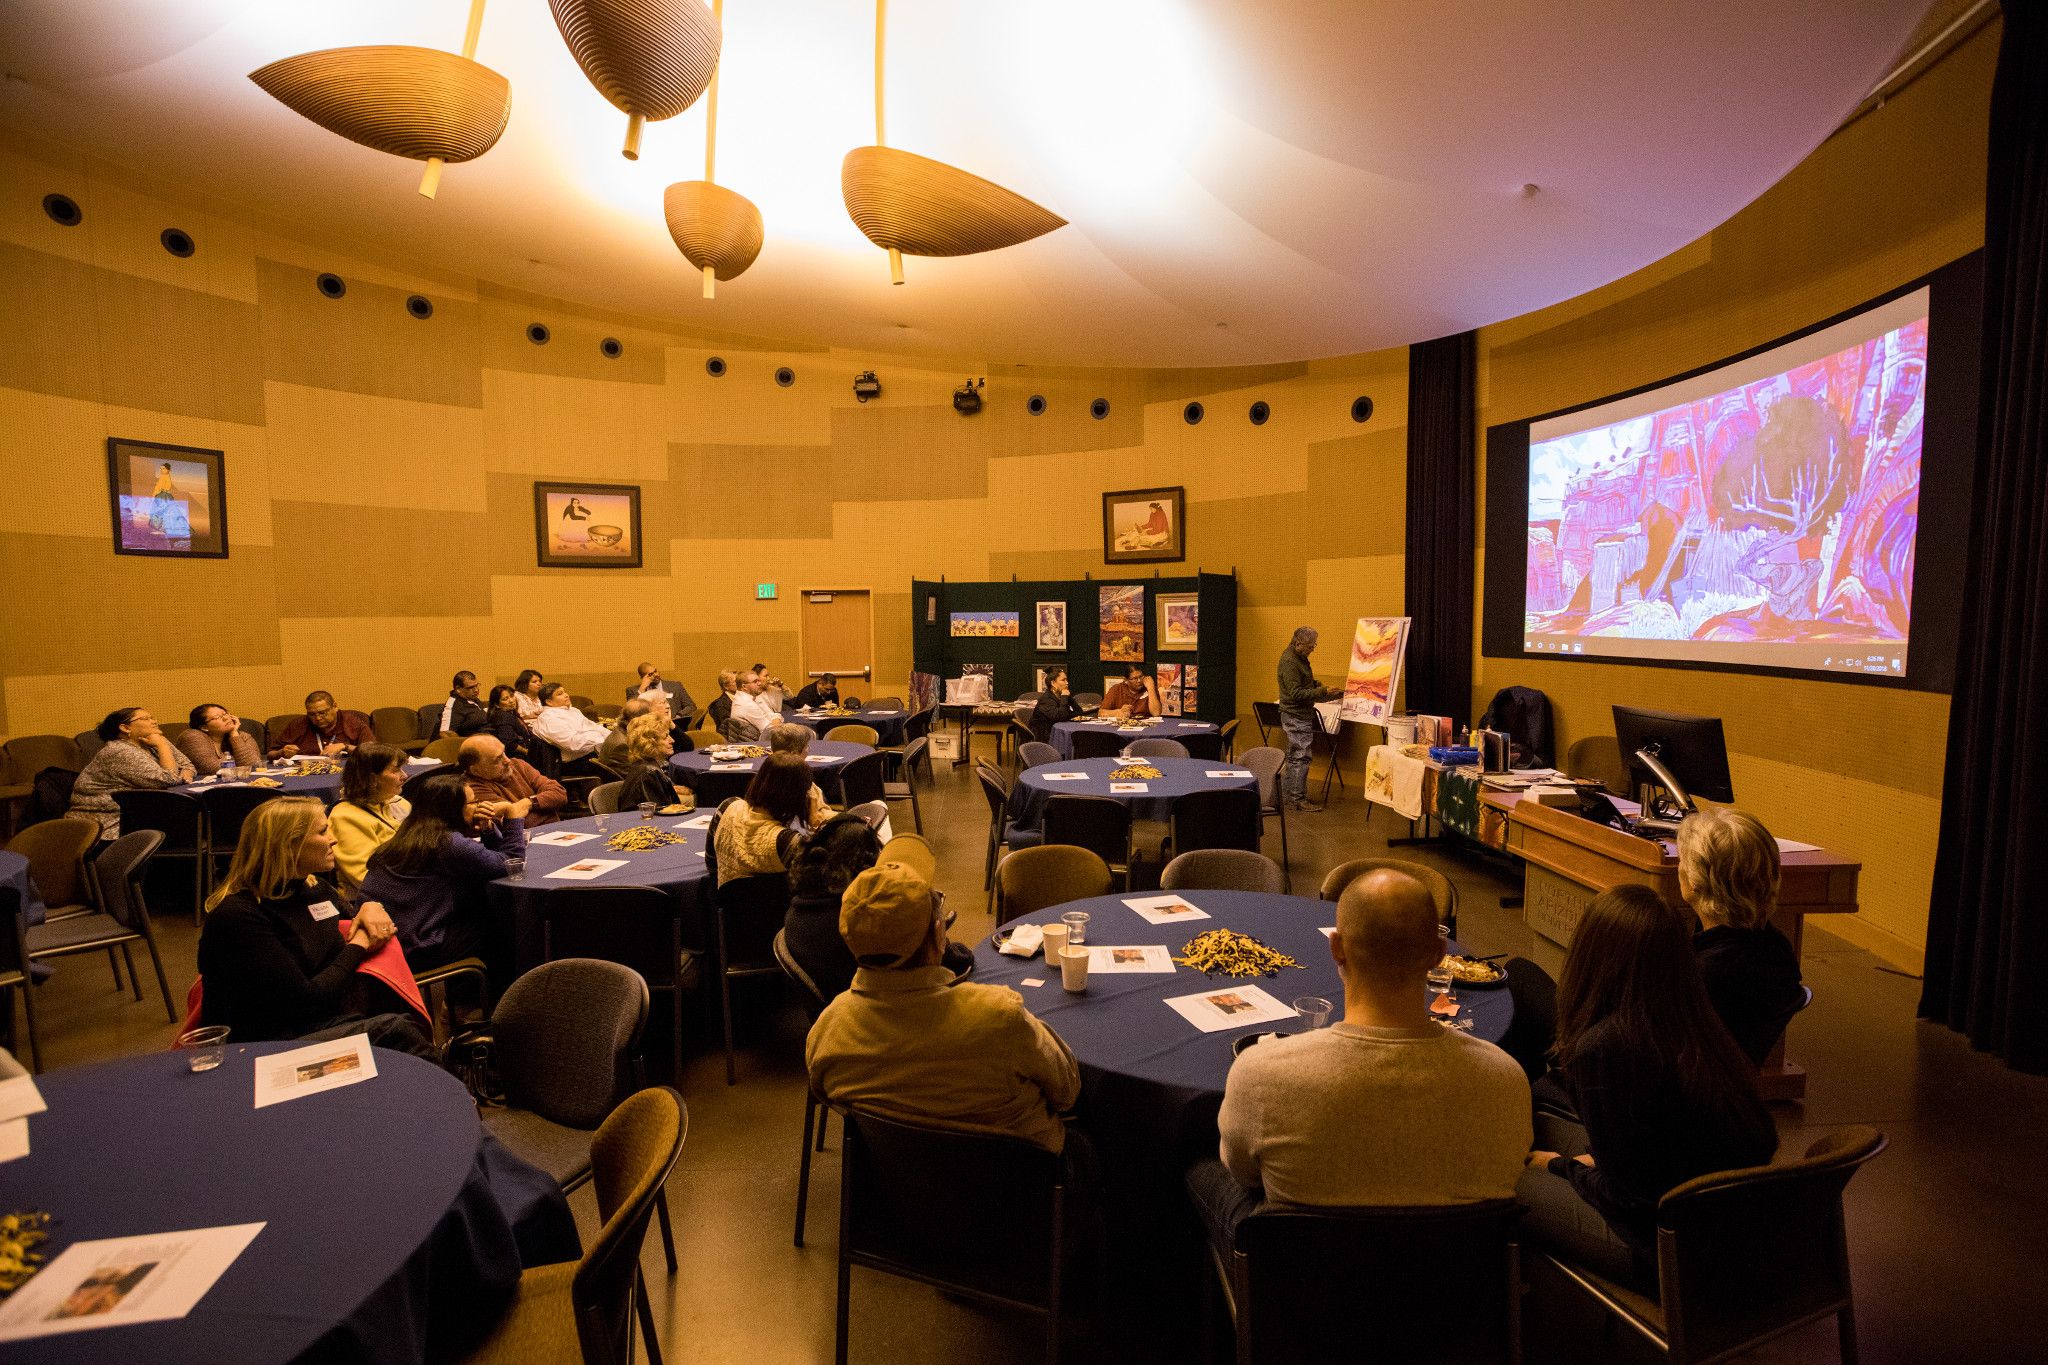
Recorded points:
(796, 739)
(759, 832)
(1055, 704)
(822, 692)
(272, 958)
(1661, 1090)
(826, 864)
(135, 757)
(647, 776)
(214, 740)
(1728, 874)
(431, 878)
(371, 809)
(526, 693)
(1136, 697)
(504, 723)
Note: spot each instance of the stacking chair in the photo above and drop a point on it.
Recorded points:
(1034, 879)
(274, 727)
(1157, 748)
(918, 1201)
(1222, 869)
(862, 780)
(639, 927)
(885, 704)
(750, 912)
(1088, 701)
(443, 749)
(814, 1002)
(918, 751)
(566, 1040)
(30, 754)
(227, 810)
(398, 726)
(88, 743)
(181, 819)
(1032, 753)
(1001, 832)
(917, 727)
(14, 974)
(1266, 715)
(435, 980)
(1092, 743)
(1442, 890)
(411, 791)
(256, 730)
(584, 704)
(122, 917)
(604, 798)
(15, 790)
(1748, 1255)
(55, 850)
(1020, 735)
(605, 710)
(1209, 747)
(584, 1310)
(1100, 824)
(1265, 763)
(1228, 737)
(1436, 1283)
(853, 732)
(430, 721)
(1228, 818)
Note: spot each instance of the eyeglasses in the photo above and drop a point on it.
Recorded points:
(943, 917)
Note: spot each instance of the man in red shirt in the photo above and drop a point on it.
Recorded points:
(324, 729)
(1137, 696)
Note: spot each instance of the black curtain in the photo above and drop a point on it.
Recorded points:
(1442, 452)
(1987, 929)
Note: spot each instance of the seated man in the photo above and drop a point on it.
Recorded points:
(324, 729)
(651, 684)
(1137, 696)
(612, 753)
(909, 1041)
(823, 692)
(463, 714)
(720, 709)
(1384, 1108)
(563, 726)
(755, 706)
(505, 786)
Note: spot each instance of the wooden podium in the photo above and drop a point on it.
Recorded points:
(1568, 860)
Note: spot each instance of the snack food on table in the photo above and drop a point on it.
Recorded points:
(1136, 772)
(1225, 952)
(1470, 972)
(640, 839)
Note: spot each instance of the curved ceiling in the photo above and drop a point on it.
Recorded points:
(1245, 182)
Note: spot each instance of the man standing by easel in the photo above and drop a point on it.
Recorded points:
(1299, 693)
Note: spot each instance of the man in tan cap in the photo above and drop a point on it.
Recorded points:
(910, 1041)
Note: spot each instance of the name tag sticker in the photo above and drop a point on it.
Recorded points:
(324, 910)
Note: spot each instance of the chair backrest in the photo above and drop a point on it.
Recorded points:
(257, 731)
(563, 1034)
(1156, 748)
(1227, 736)
(635, 926)
(1266, 715)
(1599, 757)
(87, 743)
(1524, 714)
(1419, 1283)
(49, 795)
(228, 808)
(1216, 819)
(429, 719)
(1222, 869)
(1100, 824)
(885, 704)
(1031, 753)
(395, 724)
(1203, 746)
(1087, 701)
(118, 874)
(179, 817)
(13, 940)
(1533, 1031)
(919, 725)
(604, 798)
(861, 780)
(1265, 763)
(1089, 742)
(1759, 1046)
(582, 703)
(997, 793)
(921, 1198)
(1034, 879)
(739, 730)
(55, 850)
(751, 911)
(1742, 1252)
(631, 1158)
(274, 727)
(1442, 890)
(30, 754)
(917, 751)
(444, 748)
(808, 990)
(853, 732)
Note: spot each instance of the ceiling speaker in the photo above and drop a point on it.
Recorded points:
(785, 376)
(177, 241)
(715, 367)
(1361, 408)
(1035, 405)
(611, 347)
(63, 210)
(330, 285)
(1260, 412)
(1191, 414)
(538, 333)
(1099, 409)
(420, 306)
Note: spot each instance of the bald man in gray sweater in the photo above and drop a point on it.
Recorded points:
(1386, 1107)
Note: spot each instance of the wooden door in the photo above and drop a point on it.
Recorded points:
(838, 637)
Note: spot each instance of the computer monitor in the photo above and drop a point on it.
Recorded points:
(1691, 748)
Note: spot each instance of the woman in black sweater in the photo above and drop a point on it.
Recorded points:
(1728, 871)
(272, 956)
(1661, 1091)
(1055, 704)
(505, 724)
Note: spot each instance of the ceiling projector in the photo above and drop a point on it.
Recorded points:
(967, 398)
(866, 386)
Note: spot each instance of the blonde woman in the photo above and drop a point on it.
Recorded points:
(272, 956)
(1728, 872)
(646, 776)
(370, 810)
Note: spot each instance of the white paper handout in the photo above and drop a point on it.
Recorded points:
(741, 767)
(1794, 846)
(313, 1068)
(1228, 772)
(156, 1277)
(1228, 1007)
(701, 820)
(1127, 788)
(1166, 909)
(819, 758)
(13, 1139)
(587, 870)
(1128, 957)
(560, 838)
(1062, 777)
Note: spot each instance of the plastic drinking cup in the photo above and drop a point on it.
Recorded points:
(1074, 968)
(1314, 1011)
(1077, 926)
(204, 1048)
(1055, 939)
(515, 869)
(604, 822)
(647, 809)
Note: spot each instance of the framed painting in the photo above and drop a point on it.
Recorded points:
(169, 501)
(1123, 624)
(968, 624)
(1144, 526)
(1179, 620)
(1052, 625)
(586, 525)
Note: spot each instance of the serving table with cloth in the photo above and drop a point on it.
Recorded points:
(1165, 728)
(395, 1227)
(1177, 777)
(677, 869)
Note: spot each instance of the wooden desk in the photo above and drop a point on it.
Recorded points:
(1568, 860)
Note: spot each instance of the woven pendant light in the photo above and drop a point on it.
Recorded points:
(717, 230)
(907, 203)
(651, 58)
(417, 102)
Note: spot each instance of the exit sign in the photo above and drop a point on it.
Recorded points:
(764, 592)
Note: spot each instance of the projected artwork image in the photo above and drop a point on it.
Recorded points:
(1782, 509)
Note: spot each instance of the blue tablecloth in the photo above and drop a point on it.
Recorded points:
(14, 873)
(326, 786)
(693, 770)
(1178, 777)
(676, 868)
(1063, 733)
(395, 1225)
(887, 723)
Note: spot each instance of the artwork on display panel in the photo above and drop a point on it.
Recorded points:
(1378, 646)
(1144, 526)
(167, 500)
(996, 624)
(587, 525)
(924, 691)
(1169, 679)
(1123, 624)
(1179, 620)
(1052, 625)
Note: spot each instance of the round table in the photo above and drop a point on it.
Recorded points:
(713, 781)
(407, 1256)
(1167, 728)
(887, 723)
(325, 786)
(677, 869)
(14, 874)
(1177, 777)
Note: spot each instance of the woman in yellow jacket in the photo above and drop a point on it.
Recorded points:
(370, 810)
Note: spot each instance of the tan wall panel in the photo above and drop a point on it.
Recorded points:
(1066, 423)
(314, 257)
(1358, 492)
(701, 654)
(53, 465)
(550, 426)
(24, 180)
(882, 454)
(726, 491)
(744, 406)
(373, 661)
(52, 343)
(67, 703)
(170, 349)
(567, 622)
(572, 348)
(125, 231)
(332, 445)
(365, 341)
(378, 561)
(1261, 538)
